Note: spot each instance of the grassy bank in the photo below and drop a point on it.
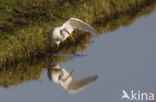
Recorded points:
(24, 24)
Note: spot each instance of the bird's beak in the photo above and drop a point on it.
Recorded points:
(70, 74)
(72, 37)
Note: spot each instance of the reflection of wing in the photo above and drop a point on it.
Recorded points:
(73, 23)
(75, 86)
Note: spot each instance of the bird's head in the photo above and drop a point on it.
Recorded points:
(71, 36)
(65, 77)
(67, 33)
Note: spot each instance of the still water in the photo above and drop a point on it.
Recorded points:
(124, 59)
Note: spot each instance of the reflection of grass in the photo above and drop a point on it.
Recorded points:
(24, 25)
(124, 19)
(19, 73)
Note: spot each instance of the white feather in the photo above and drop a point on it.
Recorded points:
(73, 23)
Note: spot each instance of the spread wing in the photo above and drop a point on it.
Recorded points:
(78, 85)
(73, 23)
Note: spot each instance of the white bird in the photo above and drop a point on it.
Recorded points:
(59, 34)
(61, 76)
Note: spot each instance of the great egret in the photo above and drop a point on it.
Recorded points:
(59, 34)
(62, 77)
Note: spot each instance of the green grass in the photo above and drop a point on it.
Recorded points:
(25, 24)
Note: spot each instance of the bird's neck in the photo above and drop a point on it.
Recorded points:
(64, 33)
(65, 83)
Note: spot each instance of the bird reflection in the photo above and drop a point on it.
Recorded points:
(61, 76)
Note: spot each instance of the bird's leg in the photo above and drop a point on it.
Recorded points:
(57, 48)
(54, 48)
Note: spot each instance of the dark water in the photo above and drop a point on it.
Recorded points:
(123, 60)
